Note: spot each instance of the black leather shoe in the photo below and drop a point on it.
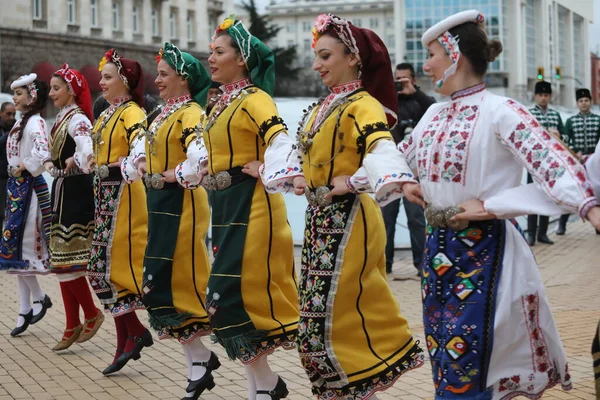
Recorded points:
(207, 382)
(279, 392)
(114, 367)
(20, 329)
(545, 239)
(561, 231)
(531, 240)
(140, 342)
(46, 304)
(212, 364)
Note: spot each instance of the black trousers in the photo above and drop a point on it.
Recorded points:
(416, 227)
(532, 221)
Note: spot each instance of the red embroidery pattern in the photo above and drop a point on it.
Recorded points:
(547, 159)
(443, 149)
(344, 88)
(539, 348)
(83, 128)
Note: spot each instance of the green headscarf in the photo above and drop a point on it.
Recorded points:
(189, 67)
(259, 59)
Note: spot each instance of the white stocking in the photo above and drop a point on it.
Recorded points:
(188, 360)
(263, 376)
(36, 292)
(24, 300)
(198, 352)
(251, 383)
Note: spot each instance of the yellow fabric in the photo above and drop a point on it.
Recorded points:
(366, 319)
(130, 229)
(190, 260)
(362, 110)
(247, 125)
(169, 145)
(115, 137)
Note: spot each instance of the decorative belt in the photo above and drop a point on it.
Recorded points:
(62, 173)
(16, 173)
(155, 181)
(224, 179)
(443, 218)
(104, 171)
(316, 196)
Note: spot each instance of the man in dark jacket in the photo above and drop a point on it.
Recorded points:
(7, 120)
(412, 104)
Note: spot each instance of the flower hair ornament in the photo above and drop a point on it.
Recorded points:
(69, 76)
(238, 33)
(112, 56)
(441, 33)
(174, 57)
(326, 22)
(27, 81)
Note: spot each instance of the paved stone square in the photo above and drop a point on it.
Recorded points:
(30, 370)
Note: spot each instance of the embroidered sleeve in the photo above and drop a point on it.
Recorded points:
(262, 112)
(386, 171)
(192, 144)
(40, 153)
(281, 165)
(129, 166)
(592, 166)
(558, 174)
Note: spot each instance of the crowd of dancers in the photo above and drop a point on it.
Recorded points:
(129, 212)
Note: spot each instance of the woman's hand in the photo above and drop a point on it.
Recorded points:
(340, 187)
(299, 183)
(413, 193)
(169, 176)
(48, 165)
(69, 163)
(594, 217)
(474, 211)
(142, 168)
(117, 163)
(252, 168)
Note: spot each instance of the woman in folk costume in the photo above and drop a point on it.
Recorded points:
(72, 205)
(116, 260)
(352, 339)
(24, 243)
(488, 325)
(176, 265)
(251, 297)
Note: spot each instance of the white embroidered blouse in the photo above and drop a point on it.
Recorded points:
(32, 151)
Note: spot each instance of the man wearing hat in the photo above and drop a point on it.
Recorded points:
(549, 119)
(582, 133)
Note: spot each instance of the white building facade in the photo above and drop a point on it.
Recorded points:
(535, 33)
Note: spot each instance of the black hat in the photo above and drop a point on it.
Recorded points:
(543, 87)
(579, 93)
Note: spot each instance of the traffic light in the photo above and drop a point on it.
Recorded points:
(540, 73)
(558, 73)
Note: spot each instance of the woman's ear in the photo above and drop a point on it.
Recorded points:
(354, 61)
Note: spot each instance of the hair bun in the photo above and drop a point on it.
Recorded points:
(493, 49)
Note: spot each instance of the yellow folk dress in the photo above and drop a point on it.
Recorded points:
(262, 312)
(352, 339)
(176, 265)
(116, 259)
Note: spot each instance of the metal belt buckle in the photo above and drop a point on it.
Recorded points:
(156, 181)
(443, 218)
(102, 171)
(317, 197)
(12, 171)
(219, 181)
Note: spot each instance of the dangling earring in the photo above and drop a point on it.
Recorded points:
(359, 72)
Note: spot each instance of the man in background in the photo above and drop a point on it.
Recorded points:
(7, 121)
(412, 104)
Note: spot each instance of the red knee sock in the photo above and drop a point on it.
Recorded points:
(81, 290)
(134, 328)
(121, 336)
(71, 306)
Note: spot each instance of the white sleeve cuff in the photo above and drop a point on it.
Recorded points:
(281, 166)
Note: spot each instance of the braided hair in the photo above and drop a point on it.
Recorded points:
(37, 107)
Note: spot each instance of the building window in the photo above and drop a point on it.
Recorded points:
(290, 28)
(155, 26)
(38, 9)
(307, 44)
(71, 12)
(391, 41)
(290, 43)
(374, 23)
(306, 26)
(173, 23)
(116, 16)
(94, 13)
(189, 25)
(389, 22)
(357, 22)
(136, 19)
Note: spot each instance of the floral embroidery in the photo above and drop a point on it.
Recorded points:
(443, 148)
(546, 159)
(539, 348)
